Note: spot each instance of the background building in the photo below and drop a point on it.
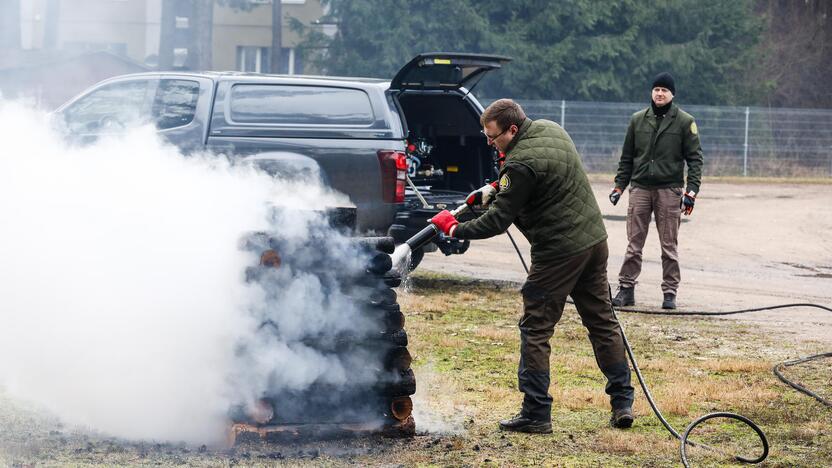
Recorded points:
(130, 31)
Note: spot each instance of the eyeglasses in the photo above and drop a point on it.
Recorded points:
(490, 139)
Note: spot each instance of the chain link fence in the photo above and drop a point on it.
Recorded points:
(744, 141)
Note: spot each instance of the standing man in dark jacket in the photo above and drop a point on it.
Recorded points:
(544, 191)
(660, 141)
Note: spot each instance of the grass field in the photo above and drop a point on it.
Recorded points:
(464, 335)
(464, 340)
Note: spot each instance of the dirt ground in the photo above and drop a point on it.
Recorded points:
(745, 245)
(464, 340)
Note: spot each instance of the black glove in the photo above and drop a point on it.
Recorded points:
(686, 205)
(615, 195)
(482, 196)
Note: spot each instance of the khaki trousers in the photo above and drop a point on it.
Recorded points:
(584, 277)
(664, 203)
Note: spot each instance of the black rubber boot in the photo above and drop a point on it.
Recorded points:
(669, 301)
(622, 418)
(625, 297)
(520, 423)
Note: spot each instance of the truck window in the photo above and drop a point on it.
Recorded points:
(300, 105)
(175, 103)
(111, 107)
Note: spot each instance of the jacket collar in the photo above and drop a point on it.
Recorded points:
(524, 127)
(650, 116)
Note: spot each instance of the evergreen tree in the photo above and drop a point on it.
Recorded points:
(580, 49)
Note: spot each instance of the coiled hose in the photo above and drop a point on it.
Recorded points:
(683, 438)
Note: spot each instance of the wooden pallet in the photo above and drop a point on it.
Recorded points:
(241, 433)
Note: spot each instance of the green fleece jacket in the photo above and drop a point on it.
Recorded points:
(656, 151)
(544, 191)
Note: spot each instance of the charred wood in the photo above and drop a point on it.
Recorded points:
(401, 408)
(380, 244)
(379, 264)
(400, 429)
(403, 383)
(398, 358)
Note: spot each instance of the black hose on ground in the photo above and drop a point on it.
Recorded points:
(729, 312)
(684, 438)
(778, 371)
(778, 368)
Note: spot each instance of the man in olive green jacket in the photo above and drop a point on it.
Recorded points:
(544, 191)
(661, 140)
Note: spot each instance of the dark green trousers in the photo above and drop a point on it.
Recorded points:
(584, 277)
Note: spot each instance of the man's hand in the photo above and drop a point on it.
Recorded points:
(482, 196)
(445, 221)
(686, 205)
(615, 195)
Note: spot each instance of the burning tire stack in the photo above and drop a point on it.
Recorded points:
(368, 383)
(397, 381)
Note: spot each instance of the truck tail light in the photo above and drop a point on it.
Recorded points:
(393, 169)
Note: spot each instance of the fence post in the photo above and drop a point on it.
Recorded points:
(745, 147)
(563, 113)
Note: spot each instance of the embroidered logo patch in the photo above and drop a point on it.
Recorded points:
(693, 128)
(504, 182)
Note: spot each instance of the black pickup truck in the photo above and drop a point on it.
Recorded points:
(401, 150)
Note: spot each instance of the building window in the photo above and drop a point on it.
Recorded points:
(253, 59)
(257, 59)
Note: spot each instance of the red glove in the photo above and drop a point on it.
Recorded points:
(482, 196)
(445, 221)
(686, 205)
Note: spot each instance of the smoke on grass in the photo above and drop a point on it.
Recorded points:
(123, 296)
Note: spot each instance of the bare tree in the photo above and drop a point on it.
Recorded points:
(200, 49)
(9, 24)
(798, 52)
(277, 32)
(52, 15)
(189, 25)
(167, 34)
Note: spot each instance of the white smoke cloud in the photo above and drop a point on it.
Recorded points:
(122, 286)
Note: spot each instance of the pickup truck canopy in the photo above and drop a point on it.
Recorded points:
(439, 70)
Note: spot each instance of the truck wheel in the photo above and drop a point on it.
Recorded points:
(416, 257)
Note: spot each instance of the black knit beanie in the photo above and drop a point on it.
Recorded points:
(665, 80)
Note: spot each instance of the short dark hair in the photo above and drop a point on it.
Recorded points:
(505, 112)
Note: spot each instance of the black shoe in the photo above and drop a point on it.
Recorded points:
(521, 423)
(622, 418)
(669, 301)
(625, 297)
